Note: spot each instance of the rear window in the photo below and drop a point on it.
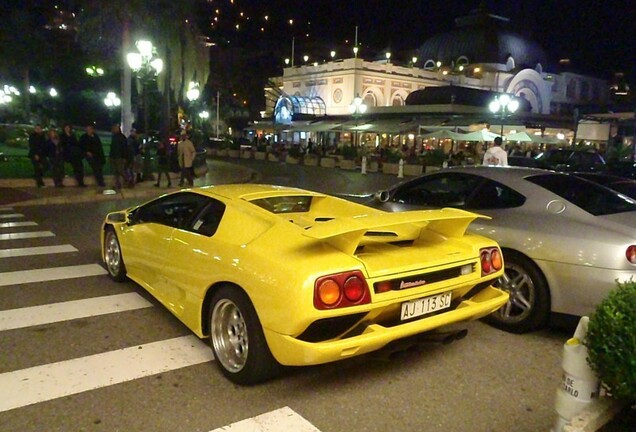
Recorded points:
(589, 196)
(285, 204)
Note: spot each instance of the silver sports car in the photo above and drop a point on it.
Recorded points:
(565, 240)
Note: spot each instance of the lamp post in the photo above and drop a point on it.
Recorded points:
(357, 107)
(146, 66)
(503, 104)
(111, 101)
(192, 95)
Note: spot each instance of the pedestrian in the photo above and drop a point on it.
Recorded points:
(135, 159)
(186, 152)
(163, 163)
(118, 155)
(91, 143)
(495, 155)
(37, 154)
(74, 153)
(55, 151)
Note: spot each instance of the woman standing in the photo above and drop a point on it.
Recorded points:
(163, 163)
(56, 155)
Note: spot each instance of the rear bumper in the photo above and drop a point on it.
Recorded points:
(294, 352)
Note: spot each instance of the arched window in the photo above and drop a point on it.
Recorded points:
(397, 100)
(370, 100)
(288, 106)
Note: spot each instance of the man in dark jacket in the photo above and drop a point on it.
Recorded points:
(118, 154)
(94, 153)
(74, 153)
(38, 154)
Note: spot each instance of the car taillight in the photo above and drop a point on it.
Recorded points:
(491, 260)
(341, 290)
(631, 254)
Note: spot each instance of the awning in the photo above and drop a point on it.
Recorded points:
(393, 126)
(319, 126)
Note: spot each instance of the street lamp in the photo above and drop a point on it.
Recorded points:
(52, 92)
(147, 66)
(503, 103)
(388, 56)
(94, 71)
(111, 101)
(357, 107)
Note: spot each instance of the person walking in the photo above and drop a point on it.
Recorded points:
(134, 161)
(91, 143)
(495, 155)
(55, 151)
(186, 152)
(37, 154)
(118, 155)
(163, 163)
(74, 153)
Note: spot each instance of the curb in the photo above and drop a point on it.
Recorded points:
(594, 416)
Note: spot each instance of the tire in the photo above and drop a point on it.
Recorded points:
(237, 338)
(112, 256)
(529, 306)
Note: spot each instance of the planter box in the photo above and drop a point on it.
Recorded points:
(222, 152)
(246, 154)
(260, 155)
(390, 168)
(373, 166)
(234, 153)
(430, 168)
(347, 164)
(328, 162)
(272, 157)
(413, 170)
(209, 151)
(311, 160)
(291, 160)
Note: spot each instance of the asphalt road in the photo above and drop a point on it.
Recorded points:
(115, 365)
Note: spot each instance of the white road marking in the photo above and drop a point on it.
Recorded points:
(11, 216)
(50, 274)
(70, 310)
(6, 208)
(17, 224)
(51, 381)
(26, 235)
(280, 420)
(37, 250)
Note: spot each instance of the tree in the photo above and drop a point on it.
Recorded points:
(108, 28)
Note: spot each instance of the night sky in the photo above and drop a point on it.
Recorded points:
(598, 36)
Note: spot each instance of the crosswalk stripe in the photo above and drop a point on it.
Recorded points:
(26, 235)
(50, 274)
(75, 309)
(36, 250)
(17, 224)
(6, 208)
(51, 381)
(11, 216)
(280, 420)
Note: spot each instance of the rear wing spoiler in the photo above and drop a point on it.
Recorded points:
(347, 233)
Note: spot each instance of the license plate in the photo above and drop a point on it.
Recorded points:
(425, 305)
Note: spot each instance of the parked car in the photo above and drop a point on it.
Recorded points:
(566, 160)
(565, 240)
(280, 276)
(619, 184)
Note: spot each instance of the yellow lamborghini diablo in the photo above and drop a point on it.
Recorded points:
(281, 276)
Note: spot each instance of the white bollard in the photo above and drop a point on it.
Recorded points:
(579, 384)
(401, 169)
(363, 170)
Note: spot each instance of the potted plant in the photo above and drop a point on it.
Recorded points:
(392, 160)
(611, 344)
(234, 149)
(433, 159)
(261, 151)
(413, 165)
(222, 147)
(293, 155)
(311, 159)
(349, 154)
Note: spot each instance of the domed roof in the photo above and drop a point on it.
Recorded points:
(482, 38)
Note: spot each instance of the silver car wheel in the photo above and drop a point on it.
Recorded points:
(229, 335)
(518, 283)
(112, 254)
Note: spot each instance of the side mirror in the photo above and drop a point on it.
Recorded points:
(382, 196)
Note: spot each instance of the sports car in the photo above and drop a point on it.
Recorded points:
(565, 240)
(281, 276)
